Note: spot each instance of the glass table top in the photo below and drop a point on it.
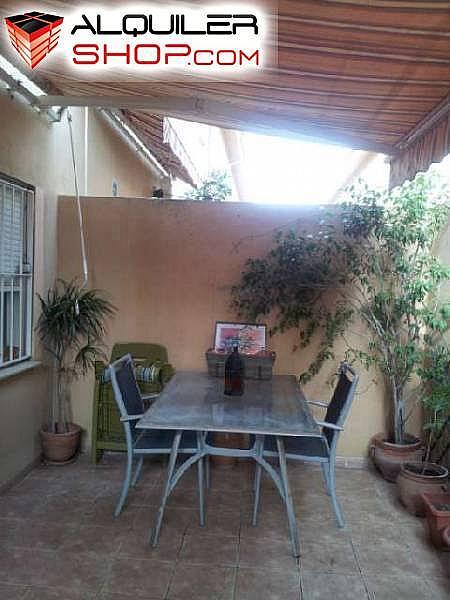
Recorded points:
(195, 401)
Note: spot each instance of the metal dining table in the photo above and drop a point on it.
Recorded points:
(194, 401)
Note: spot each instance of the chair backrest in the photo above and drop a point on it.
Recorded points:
(341, 401)
(126, 391)
(146, 354)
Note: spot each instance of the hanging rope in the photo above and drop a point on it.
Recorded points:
(77, 196)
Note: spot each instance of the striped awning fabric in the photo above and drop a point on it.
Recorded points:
(367, 74)
(151, 131)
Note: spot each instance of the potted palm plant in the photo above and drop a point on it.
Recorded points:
(71, 326)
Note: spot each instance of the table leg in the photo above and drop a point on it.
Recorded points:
(201, 490)
(257, 483)
(167, 488)
(293, 528)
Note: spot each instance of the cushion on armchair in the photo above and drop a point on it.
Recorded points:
(156, 373)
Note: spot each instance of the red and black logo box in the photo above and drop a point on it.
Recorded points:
(34, 35)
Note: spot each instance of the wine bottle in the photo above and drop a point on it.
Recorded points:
(234, 374)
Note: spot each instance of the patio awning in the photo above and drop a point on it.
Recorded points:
(156, 132)
(371, 75)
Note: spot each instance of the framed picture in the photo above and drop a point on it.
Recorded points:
(249, 337)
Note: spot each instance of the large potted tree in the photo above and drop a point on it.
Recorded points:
(397, 288)
(372, 261)
(425, 482)
(71, 327)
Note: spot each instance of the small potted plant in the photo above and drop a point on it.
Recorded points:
(416, 479)
(71, 327)
(437, 511)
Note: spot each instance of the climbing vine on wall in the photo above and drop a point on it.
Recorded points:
(369, 258)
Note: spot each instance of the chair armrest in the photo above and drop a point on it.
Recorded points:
(130, 418)
(317, 403)
(151, 396)
(329, 425)
(99, 369)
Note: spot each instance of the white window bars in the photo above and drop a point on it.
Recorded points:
(16, 271)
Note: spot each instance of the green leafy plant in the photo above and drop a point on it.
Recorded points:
(71, 326)
(372, 261)
(214, 188)
(435, 382)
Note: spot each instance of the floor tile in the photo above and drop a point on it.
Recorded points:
(24, 566)
(84, 572)
(321, 586)
(13, 592)
(18, 506)
(271, 523)
(101, 513)
(384, 587)
(439, 588)
(174, 517)
(257, 584)
(194, 582)
(91, 538)
(112, 596)
(140, 578)
(67, 509)
(391, 557)
(270, 553)
(212, 550)
(235, 478)
(318, 556)
(136, 543)
(45, 593)
(219, 522)
(223, 499)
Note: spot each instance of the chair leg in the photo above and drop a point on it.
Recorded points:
(138, 471)
(324, 467)
(293, 527)
(257, 491)
(170, 470)
(334, 500)
(126, 484)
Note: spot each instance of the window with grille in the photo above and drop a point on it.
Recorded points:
(16, 271)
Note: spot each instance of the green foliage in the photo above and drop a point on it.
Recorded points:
(372, 262)
(71, 326)
(435, 379)
(215, 188)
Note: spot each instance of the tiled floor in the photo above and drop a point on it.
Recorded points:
(58, 540)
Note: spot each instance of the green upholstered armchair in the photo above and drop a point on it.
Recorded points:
(152, 372)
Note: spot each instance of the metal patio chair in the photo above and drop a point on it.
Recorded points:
(141, 443)
(316, 449)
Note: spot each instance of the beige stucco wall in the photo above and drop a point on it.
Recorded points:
(169, 266)
(38, 153)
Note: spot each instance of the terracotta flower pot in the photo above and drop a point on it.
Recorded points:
(446, 538)
(437, 510)
(60, 447)
(228, 440)
(389, 457)
(416, 478)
